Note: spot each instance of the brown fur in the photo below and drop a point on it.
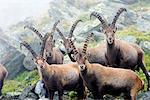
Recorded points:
(95, 55)
(120, 53)
(66, 39)
(102, 80)
(98, 77)
(53, 55)
(62, 77)
(3, 75)
(59, 77)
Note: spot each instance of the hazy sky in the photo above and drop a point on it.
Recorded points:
(13, 11)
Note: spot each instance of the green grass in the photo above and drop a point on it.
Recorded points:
(145, 4)
(147, 64)
(72, 95)
(21, 82)
(31, 77)
(28, 77)
(132, 31)
(12, 86)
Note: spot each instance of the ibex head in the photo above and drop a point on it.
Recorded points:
(48, 42)
(48, 46)
(109, 29)
(47, 39)
(70, 37)
(38, 59)
(81, 57)
(65, 41)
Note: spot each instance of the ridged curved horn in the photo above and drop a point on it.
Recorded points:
(25, 44)
(54, 26)
(73, 28)
(61, 35)
(34, 30)
(98, 15)
(75, 51)
(86, 43)
(43, 47)
(46, 36)
(117, 16)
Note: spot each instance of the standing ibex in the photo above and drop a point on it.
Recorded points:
(53, 55)
(3, 75)
(120, 53)
(59, 77)
(95, 55)
(102, 80)
(66, 39)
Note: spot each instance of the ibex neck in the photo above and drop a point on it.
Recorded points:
(88, 65)
(42, 70)
(71, 58)
(110, 47)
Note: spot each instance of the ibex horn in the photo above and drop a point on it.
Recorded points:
(73, 28)
(86, 43)
(34, 30)
(25, 44)
(98, 15)
(117, 16)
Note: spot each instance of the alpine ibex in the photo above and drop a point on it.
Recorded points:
(95, 55)
(59, 77)
(121, 53)
(102, 80)
(3, 75)
(66, 39)
(53, 55)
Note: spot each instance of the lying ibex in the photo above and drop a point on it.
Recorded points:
(53, 55)
(3, 75)
(59, 77)
(102, 80)
(121, 53)
(95, 55)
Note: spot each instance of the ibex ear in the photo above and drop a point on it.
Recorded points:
(73, 56)
(109, 24)
(73, 39)
(35, 62)
(44, 59)
(61, 41)
(40, 43)
(101, 29)
(54, 43)
(115, 29)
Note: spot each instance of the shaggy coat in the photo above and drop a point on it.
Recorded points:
(53, 55)
(120, 53)
(3, 75)
(102, 80)
(94, 55)
(59, 77)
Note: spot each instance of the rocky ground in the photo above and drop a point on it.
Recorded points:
(133, 26)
